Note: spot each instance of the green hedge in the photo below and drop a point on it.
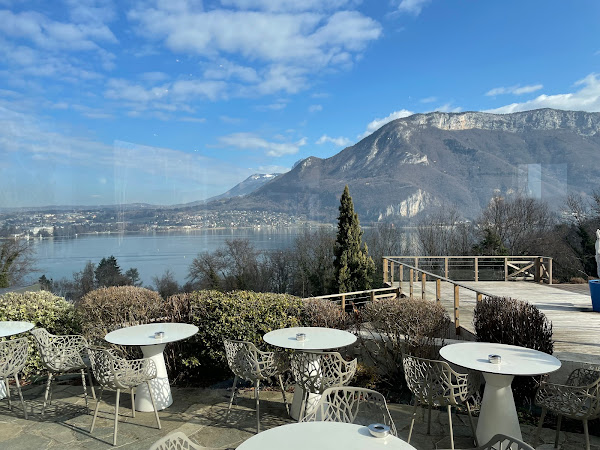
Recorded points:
(45, 310)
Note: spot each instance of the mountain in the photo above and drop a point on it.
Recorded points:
(413, 165)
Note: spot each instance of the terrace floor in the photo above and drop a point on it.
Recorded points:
(200, 414)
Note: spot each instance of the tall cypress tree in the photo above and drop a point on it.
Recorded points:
(354, 268)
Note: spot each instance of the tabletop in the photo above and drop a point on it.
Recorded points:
(516, 360)
(321, 436)
(10, 327)
(317, 338)
(144, 334)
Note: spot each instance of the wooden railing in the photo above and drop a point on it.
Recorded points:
(358, 298)
(476, 268)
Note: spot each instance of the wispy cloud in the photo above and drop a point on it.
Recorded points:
(315, 108)
(448, 107)
(378, 123)
(516, 90)
(338, 141)
(251, 141)
(428, 100)
(413, 7)
(586, 98)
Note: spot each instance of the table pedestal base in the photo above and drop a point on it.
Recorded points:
(160, 385)
(296, 405)
(498, 413)
(2, 388)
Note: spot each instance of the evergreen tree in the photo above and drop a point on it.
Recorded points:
(353, 266)
(108, 273)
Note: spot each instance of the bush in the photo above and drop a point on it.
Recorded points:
(509, 321)
(242, 315)
(45, 310)
(111, 308)
(390, 327)
(317, 312)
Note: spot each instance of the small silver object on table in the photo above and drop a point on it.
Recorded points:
(159, 335)
(495, 359)
(379, 430)
(300, 336)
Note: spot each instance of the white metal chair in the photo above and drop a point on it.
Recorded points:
(249, 363)
(62, 354)
(117, 373)
(13, 357)
(503, 442)
(578, 398)
(352, 405)
(175, 441)
(435, 383)
(315, 372)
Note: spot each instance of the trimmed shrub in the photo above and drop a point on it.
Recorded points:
(506, 320)
(390, 327)
(45, 310)
(242, 315)
(111, 308)
(318, 312)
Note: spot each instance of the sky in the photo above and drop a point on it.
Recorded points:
(173, 101)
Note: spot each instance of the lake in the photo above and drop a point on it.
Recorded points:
(150, 253)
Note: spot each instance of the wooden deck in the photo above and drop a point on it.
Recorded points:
(576, 328)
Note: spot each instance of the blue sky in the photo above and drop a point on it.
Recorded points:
(171, 101)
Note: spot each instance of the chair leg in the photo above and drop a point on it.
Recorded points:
(538, 432)
(257, 397)
(429, 419)
(283, 393)
(153, 405)
(235, 380)
(96, 409)
(556, 436)
(8, 393)
(303, 405)
(587, 434)
(87, 406)
(412, 421)
(47, 392)
(20, 394)
(116, 417)
(450, 425)
(132, 402)
(89, 374)
(472, 424)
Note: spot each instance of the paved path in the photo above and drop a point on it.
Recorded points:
(576, 328)
(200, 414)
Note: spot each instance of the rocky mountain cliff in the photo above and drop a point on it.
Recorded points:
(426, 161)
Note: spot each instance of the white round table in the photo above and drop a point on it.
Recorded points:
(321, 436)
(10, 328)
(317, 338)
(143, 335)
(498, 413)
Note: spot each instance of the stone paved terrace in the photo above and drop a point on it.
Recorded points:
(200, 414)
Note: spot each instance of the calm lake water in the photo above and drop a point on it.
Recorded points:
(151, 253)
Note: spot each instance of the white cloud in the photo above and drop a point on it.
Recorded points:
(378, 123)
(428, 100)
(276, 106)
(586, 98)
(253, 142)
(289, 5)
(338, 141)
(412, 6)
(315, 108)
(448, 107)
(516, 90)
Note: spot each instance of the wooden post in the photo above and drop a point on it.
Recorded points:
(537, 269)
(438, 290)
(456, 313)
(372, 296)
(400, 276)
(410, 284)
(385, 270)
(505, 268)
(445, 267)
(479, 297)
(398, 292)
(343, 303)
(549, 270)
(416, 262)
(476, 268)
(423, 283)
(391, 273)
